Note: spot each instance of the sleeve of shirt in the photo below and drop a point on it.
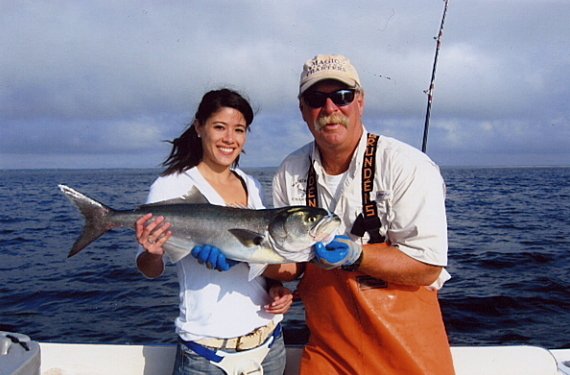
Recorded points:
(418, 223)
(255, 192)
(162, 188)
(168, 187)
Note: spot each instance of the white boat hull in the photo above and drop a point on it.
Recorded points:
(99, 359)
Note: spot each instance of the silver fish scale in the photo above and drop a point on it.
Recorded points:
(258, 237)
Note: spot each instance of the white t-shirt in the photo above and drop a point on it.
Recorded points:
(408, 189)
(213, 303)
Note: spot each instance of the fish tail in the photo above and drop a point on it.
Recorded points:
(97, 218)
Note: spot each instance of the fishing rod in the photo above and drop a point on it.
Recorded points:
(431, 85)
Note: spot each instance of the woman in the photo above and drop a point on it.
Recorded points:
(218, 310)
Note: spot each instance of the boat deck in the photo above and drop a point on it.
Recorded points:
(99, 359)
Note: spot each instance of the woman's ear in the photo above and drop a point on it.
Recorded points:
(196, 126)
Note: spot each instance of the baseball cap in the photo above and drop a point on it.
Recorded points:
(323, 67)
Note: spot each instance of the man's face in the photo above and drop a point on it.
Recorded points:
(333, 124)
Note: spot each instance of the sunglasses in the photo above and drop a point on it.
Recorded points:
(317, 99)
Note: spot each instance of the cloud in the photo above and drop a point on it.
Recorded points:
(83, 82)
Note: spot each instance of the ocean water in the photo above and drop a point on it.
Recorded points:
(509, 237)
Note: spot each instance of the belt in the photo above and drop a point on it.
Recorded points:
(249, 341)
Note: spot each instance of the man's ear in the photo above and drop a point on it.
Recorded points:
(361, 102)
(301, 107)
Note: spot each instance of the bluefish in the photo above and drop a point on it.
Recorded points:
(258, 237)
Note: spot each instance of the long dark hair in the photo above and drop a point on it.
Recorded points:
(187, 149)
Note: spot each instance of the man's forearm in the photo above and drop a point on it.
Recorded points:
(388, 263)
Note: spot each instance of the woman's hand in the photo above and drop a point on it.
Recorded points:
(152, 234)
(281, 299)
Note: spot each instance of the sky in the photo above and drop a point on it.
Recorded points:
(104, 84)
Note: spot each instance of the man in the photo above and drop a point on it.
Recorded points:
(370, 295)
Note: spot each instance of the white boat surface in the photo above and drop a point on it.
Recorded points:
(102, 359)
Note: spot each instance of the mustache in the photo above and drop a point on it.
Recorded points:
(335, 118)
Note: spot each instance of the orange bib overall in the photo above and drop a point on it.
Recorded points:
(362, 326)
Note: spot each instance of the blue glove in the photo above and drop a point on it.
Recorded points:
(213, 257)
(342, 251)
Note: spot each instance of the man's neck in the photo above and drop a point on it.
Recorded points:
(336, 160)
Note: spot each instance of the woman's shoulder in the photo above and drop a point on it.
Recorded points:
(254, 188)
(248, 178)
(171, 180)
(170, 186)
(242, 173)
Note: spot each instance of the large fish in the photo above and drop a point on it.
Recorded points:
(258, 237)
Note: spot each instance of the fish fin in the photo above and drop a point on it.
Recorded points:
(177, 248)
(162, 203)
(175, 256)
(192, 197)
(96, 215)
(255, 269)
(248, 237)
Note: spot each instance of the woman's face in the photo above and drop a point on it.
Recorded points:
(223, 137)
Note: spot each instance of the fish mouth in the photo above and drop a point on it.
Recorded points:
(325, 228)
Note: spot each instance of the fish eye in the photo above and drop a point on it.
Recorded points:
(311, 219)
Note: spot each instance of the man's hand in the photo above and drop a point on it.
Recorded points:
(342, 251)
(212, 257)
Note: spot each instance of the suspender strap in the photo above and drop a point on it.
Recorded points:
(368, 220)
(311, 198)
(368, 168)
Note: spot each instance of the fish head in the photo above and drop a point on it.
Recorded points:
(297, 228)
